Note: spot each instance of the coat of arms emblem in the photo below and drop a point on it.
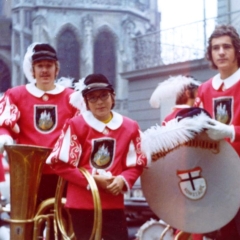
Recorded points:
(102, 154)
(45, 118)
(192, 184)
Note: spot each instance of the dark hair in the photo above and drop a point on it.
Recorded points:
(224, 30)
(182, 97)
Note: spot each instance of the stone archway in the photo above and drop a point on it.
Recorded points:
(5, 77)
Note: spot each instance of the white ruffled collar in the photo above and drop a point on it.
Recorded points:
(99, 126)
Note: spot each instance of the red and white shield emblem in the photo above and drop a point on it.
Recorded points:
(192, 184)
(45, 118)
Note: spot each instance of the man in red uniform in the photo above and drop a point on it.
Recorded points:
(107, 145)
(219, 96)
(34, 113)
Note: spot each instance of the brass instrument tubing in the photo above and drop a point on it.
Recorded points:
(97, 226)
(59, 200)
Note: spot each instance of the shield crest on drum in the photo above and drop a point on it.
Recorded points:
(196, 187)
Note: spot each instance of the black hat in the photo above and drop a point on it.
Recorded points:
(95, 82)
(190, 112)
(44, 51)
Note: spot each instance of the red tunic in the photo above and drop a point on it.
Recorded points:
(39, 115)
(223, 106)
(89, 143)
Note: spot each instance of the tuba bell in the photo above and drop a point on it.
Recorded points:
(26, 163)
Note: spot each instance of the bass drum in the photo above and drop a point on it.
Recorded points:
(195, 188)
(153, 229)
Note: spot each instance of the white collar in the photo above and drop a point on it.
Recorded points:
(228, 82)
(32, 89)
(99, 126)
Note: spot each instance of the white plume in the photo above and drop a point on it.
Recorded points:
(27, 63)
(162, 139)
(76, 98)
(65, 81)
(170, 88)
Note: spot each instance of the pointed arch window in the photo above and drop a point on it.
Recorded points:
(68, 51)
(105, 56)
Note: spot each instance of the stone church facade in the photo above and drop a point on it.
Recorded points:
(89, 35)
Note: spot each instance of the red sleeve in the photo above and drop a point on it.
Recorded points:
(69, 173)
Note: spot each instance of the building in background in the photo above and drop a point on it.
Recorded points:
(229, 10)
(182, 52)
(5, 45)
(122, 39)
(89, 36)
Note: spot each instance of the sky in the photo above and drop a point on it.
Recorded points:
(179, 12)
(183, 34)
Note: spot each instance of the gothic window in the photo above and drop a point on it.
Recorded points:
(5, 77)
(68, 53)
(28, 19)
(105, 56)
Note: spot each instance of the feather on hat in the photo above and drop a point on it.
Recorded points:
(76, 98)
(65, 81)
(170, 88)
(27, 62)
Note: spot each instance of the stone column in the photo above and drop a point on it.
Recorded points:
(87, 49)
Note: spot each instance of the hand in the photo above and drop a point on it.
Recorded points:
(102, 181)
(116, 186)
(5, 139)
(217, 130)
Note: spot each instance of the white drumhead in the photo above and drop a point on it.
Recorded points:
(152, 230)
(204, 203)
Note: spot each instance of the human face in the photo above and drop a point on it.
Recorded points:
(45, 73)
(101, 109)
(224, 56)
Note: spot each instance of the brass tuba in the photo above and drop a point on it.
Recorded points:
(26, 163)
